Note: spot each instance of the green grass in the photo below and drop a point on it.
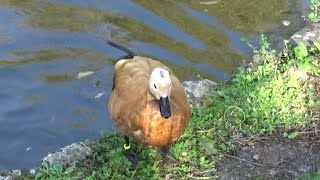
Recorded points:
(315, 176)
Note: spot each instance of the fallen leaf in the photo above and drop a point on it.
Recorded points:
(209, 147)
(84, 74)
(99, 95)
(167, 177)
(209, 2)
(286, 22)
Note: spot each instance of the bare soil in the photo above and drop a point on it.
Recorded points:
(272, 158)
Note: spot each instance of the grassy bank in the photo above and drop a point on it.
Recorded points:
(277, 93)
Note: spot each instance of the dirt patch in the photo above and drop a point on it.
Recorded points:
(271, 158)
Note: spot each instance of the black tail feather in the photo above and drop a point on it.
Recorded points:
(130, 54)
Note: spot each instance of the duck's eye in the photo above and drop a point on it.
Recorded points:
(170, 84)
(154, 85)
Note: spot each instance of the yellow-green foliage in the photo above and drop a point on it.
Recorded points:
(314, 15)
(269, 94)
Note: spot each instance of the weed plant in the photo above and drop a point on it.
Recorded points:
(314, 15)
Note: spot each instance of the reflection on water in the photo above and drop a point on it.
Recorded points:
(45, 43)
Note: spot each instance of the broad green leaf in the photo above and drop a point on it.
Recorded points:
(312, 16)
(221, 93)
(243, 39)
(305, 67)
(69, 170)
(80, 173)
(317, 45)
(209, 147)
(309, 59)
(293, 135)
(303, 49)
(39, 175)
(46, 165)
(254, 114)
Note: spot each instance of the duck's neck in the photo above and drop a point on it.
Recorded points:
(149, 97)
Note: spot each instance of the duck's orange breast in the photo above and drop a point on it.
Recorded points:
(158, 131)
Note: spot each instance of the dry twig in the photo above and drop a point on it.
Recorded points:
(195, 177)
(257, 164)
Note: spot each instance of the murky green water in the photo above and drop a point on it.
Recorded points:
(45, 43)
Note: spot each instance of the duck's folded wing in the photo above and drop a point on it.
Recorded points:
(129, 95)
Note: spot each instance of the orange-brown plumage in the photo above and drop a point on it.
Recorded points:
(135, 112)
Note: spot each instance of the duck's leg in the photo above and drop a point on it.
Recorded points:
(126, 145)
(165, 150)
(130, 155)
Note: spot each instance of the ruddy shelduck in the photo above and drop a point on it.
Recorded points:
(148, 103)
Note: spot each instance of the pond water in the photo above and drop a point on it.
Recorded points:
(44, 44)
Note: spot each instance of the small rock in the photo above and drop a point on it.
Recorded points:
(71, 154)
(256, 157)
(251, 143)
(167, 177)
(10, 175)
(16, 172)
(184, 154)
(32, 171)
(272, 172)
(308, 35)
(303, 76)
(5, 178)
(286, 22)
(197, 91)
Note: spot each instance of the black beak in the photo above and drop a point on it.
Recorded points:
(164, 107)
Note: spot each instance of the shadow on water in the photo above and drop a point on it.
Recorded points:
(44, 44)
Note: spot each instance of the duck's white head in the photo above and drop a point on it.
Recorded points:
(160, 87)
